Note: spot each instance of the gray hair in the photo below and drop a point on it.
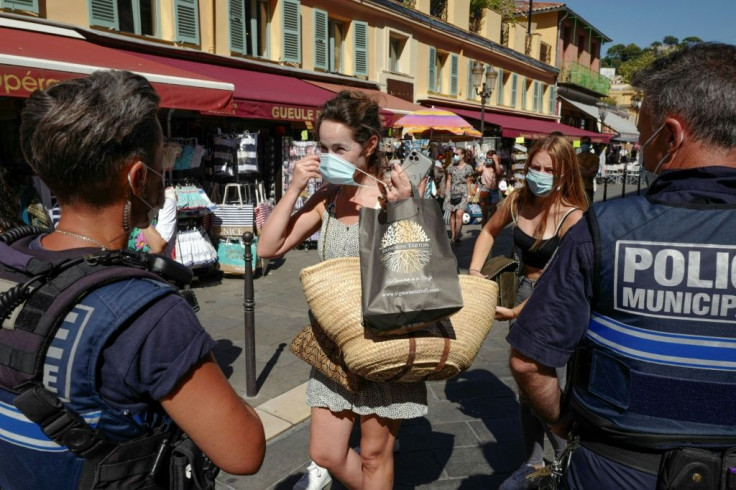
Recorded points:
(698, 84)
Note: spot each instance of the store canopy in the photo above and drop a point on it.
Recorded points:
(627, 130)
(260, 95)
(390, 103)
(32, 60)
(531, 128)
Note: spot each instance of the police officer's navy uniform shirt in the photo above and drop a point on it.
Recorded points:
(558, 313)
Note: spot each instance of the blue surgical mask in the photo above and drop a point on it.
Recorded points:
(339, 171)
(456, 159)
(540, 183)
(643, 172)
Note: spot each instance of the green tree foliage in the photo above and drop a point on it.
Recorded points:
(618, 54)
(690, 40)
(628, 68)
(628, 59)
(670, 41)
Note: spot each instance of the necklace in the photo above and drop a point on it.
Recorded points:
(82, 237)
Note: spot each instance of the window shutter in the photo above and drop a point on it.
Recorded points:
(432, 74)
(237, 26)
(27, 5)
(514, 81)
(361, 47)
(535, 96)
(186, 18)
(499, 88)
(523, 92)
(553, 99)
(103, 13)
(320, 39)
(540, 87)
(453, 74)
(291, 31)
(470, 94)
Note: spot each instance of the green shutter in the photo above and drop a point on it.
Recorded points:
(470, 94)
(291, 31)
(320, 39)
(514, 81)
(186, 21)
(523, 92)
(361, 47)
(432, 73)
(103, 13)
(26, 5)
(553, 99)
(535, 96)
(453, 74)
(237, 26)
(540, 87)
(499, 87)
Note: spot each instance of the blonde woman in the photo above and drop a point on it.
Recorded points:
(550, 201)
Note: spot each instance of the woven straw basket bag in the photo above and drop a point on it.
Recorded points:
(445, 349)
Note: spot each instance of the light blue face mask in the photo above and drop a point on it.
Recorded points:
(339, 171)
(540, 183)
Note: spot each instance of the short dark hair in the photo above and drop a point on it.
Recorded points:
(360, 113)
(585, 140)
(79, 134)
(697, 83)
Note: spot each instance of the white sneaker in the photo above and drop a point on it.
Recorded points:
(316, 478)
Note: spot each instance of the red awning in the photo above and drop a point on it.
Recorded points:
(260, 95)
(31, 60)
(529, 127)
(392, 107)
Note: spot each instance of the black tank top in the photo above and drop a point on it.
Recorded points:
(538, 258)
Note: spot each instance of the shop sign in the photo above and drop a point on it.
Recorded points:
(21, 81)
(277, 112)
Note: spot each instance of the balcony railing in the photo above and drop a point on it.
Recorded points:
(578, 74)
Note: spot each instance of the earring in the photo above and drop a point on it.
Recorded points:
(126, 216)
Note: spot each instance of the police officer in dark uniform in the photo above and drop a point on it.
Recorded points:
(129, 360)
(641, 298)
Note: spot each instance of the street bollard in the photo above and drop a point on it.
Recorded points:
(250, 327)
(605, 188)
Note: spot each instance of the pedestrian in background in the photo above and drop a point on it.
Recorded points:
(588, 163)
(349, 130)
(635, 295)
(551, 200)
(458, 190)
(489, 175)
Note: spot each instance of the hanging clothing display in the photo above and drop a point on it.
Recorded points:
(233, 150)
(193, 201)
(194, 248)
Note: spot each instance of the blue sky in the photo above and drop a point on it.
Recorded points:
(644, 21)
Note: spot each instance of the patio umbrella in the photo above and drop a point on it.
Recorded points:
(437, 121)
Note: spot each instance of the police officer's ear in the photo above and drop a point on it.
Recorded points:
(675, 130)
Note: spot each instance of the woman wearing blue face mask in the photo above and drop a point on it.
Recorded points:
(458, 190)
(551, 200)
(348, 129)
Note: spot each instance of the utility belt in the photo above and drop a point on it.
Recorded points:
(685, 468)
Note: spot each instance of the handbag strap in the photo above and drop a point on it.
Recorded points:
(330, 209)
